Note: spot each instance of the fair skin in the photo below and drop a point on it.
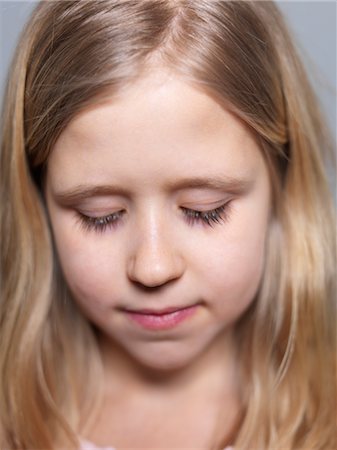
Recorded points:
(156, 133)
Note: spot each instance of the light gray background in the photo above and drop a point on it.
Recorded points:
(313, 24)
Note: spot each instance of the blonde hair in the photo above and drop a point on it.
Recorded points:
(70, 54)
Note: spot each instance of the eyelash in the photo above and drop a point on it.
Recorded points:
(209, 218)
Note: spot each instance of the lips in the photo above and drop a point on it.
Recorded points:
(160, 312)
(157, 321)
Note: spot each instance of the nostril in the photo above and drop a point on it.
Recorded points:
(149, 281)
(146, 288)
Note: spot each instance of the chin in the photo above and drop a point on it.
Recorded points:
(164, 359)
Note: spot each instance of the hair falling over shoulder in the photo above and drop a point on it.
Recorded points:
(70, 55)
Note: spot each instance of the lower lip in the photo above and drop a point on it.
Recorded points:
(162, 321)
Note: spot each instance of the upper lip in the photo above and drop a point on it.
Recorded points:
(158, 311)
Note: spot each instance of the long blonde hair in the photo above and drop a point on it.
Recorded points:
(70, 54)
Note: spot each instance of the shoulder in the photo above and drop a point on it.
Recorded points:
(86, 445)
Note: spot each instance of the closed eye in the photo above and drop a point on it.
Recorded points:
(100, 224)
(211, 217)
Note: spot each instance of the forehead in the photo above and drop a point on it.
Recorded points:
(166, 101)
(159, 123)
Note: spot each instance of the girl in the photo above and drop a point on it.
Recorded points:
(167, 239)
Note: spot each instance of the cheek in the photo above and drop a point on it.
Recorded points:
(235, 271)
(91, 273)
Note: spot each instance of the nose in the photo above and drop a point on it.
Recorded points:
(154, 259)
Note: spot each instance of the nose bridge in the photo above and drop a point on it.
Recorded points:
(153, 259)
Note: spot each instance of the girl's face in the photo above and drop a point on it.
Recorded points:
(124, 182)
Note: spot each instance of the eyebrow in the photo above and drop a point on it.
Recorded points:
(219, 183)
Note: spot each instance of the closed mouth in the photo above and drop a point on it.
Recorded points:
(159, 312)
